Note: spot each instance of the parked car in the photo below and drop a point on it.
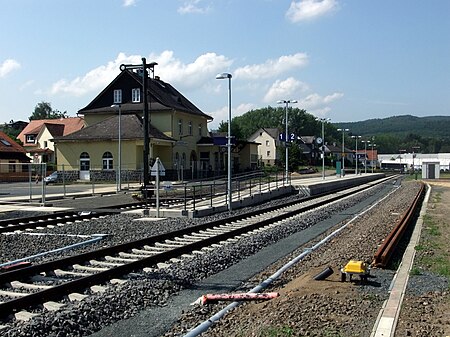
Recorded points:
(52, 178)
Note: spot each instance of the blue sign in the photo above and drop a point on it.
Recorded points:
(291, 137)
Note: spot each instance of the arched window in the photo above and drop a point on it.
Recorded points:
(107, 160)
(177, 160)
(85, 161)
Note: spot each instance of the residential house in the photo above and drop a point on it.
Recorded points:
(269, 140)
(12, 158)
(310, 149)
(178, 133)
(244, 153)
(36, 137)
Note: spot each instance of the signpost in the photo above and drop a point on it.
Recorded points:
(157, 171)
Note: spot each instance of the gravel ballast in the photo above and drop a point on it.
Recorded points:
(154, 290)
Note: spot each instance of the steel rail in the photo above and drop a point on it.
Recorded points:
(384, 253)
(59, 291)
(49, 266)
(51, 219)
(10, 225)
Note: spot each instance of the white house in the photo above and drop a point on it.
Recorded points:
(269, 140)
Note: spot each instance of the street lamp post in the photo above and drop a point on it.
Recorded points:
(343, 151)
(365, 154)
(356, 153)
(228, 76)
(323, 120)
(119, 177)
(372, 145)
(286, 136)
(414, 148)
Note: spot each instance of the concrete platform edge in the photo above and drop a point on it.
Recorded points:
(388, 316)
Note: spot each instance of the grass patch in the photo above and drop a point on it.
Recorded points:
(415, 271)
(437, 197)
(420, 248)
(433, 246)
(431, 226)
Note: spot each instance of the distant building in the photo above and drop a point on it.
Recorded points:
(178, 134)
(37, 135)
(11, 154)
(408, 161)
(269, 140)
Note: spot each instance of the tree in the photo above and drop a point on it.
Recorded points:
(235, 129)
(43, 110)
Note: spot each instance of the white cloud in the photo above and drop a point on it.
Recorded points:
(95, 79)
(192, 75)
(309, 9)
(317, 104)
(272, 68)
(286, 89)
(193, 7)
(26, 85)
(7, 66)
(128, 3)
(315, 100)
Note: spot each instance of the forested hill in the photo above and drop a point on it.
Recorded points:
(434, 127)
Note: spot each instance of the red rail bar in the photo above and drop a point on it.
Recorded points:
(384, 252)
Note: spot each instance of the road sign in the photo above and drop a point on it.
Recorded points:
(162, 170)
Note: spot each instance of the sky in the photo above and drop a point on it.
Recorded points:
(347, 60)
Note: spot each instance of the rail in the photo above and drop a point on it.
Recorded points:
(385, 251)
(60, 290)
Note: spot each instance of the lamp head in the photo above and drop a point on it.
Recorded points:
(283, 101)
(223, 76)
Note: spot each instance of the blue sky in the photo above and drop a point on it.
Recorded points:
(348, 60)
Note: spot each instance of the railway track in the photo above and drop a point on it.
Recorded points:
(43, 284)
(64, 217)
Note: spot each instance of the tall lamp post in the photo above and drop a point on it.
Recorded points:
(372, 145)
(323, 120)
(119, 177)
(343, 151)
(365, 154)
(414, 151)
(228, 76)
(286, 135)
(143, 67)
(356, 153)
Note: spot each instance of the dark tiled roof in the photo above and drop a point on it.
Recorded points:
(9, 149)
(108, 129)
(273, 132)
(56, 130)
(334, 148)
(206, 141)
(162, 96)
